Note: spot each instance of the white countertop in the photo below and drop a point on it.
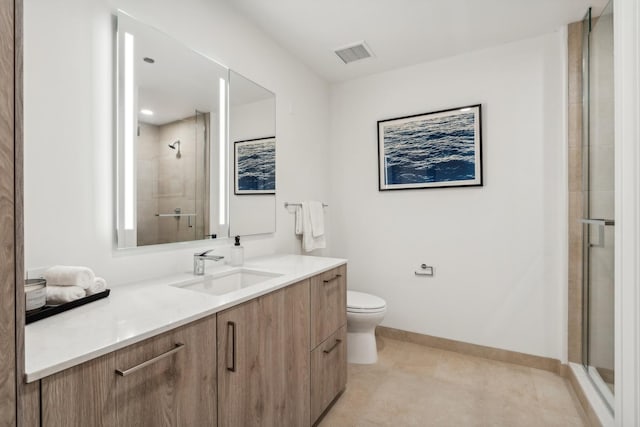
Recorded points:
(138, 311)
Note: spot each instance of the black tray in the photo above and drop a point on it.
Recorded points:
(50, 310)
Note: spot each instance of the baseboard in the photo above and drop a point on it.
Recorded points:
(523, 359)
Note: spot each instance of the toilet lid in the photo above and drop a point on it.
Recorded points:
(362, 301)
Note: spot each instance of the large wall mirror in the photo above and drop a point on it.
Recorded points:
(179, 114)
(252, 130)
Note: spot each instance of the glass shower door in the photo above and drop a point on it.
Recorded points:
(203, 176)
(598, 199)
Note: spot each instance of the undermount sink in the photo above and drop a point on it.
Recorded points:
(228, 281)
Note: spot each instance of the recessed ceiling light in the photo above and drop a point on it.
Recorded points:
(146, 112)
(149, 60)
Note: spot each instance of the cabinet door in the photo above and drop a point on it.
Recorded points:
(263, 360)
(81, 396)
(169, 380)
(328, 371)
(328, 304)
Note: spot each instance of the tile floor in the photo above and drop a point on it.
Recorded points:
(414, 385)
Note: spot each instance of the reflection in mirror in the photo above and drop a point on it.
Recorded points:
(172, 168)
(252, 130)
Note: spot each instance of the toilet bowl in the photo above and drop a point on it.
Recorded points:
(364, 313)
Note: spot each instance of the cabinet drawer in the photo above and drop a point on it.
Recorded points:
(328, 304)
(328, 371)
(167, 380)
(170, 379)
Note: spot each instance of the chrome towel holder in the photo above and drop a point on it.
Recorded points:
(288, 204)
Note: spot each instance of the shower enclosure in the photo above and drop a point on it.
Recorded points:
(598, 202)
(173, 180)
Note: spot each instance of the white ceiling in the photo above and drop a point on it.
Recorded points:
(402, 32)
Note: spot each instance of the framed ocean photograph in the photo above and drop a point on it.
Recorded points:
(431, 150)
(255, 166)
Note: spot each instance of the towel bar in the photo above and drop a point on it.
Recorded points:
(287, 204)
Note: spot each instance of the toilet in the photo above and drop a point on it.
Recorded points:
(364, 313)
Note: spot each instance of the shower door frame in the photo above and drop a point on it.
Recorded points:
(593, 372)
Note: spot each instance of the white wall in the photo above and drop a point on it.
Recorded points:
(627, 203)
(499, 251)
(69, 128)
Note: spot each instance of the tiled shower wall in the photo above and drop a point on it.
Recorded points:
(575, 192)
(165, 182)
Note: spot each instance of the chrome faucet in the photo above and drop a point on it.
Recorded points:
(200, 258)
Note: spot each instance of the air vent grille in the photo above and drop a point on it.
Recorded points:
(354, 52)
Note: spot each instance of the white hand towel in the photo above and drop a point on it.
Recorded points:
(62, 275)
(309, 242)
(63, 294)
(299, 221)
(316, 214)
(99, 285)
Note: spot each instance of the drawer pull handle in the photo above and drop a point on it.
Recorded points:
(336, 277)
(231, 327)
(177, 348)
(333, 347)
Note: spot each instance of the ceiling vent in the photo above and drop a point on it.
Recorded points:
(354, 52)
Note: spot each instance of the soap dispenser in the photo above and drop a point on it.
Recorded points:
(237, 253)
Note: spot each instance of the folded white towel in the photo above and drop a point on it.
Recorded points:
(316, 213)
(99, 285)
(62, 275)
(62, 294)
(309, 242)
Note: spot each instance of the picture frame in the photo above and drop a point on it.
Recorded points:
(431, 150)
(255, 166)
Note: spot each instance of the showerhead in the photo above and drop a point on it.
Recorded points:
(173, 147)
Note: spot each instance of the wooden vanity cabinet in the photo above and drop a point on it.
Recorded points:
(276, 360)
(168, 380)
(263, 360)
(329, 338)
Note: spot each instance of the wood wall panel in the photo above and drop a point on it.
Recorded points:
(28, 395)
(7, 216)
